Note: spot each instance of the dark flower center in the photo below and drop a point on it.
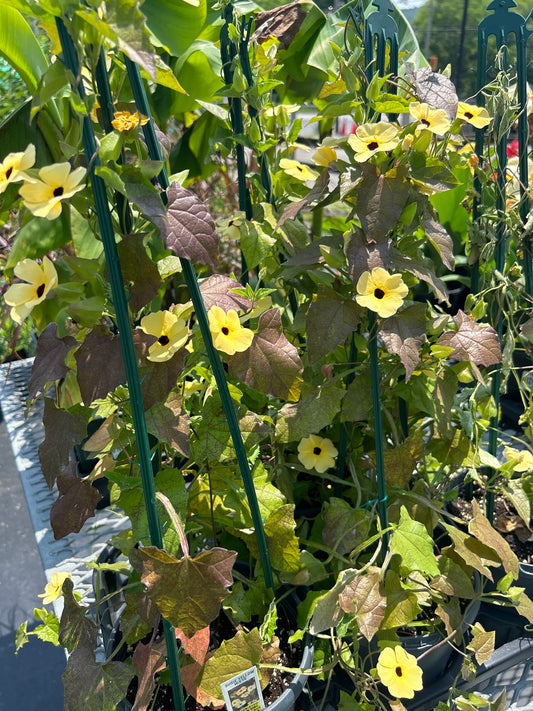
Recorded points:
(379, 293)
(40, 290)
(399, 671)
(9, 171)
(469, 115)
(317, 450)
(426, 122)
(373, 145)
(163, 340)
(225, 330)
(58, 191)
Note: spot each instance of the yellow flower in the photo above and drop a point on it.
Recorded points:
(171, 333)
(399, 672)
(228, 334)
(407, 142)
(13, 166)
(370, 138)
(434, 120)
(54, 589)
(316, 452)
(477, 116)
(297, 170)
(324, 156)
(523, 458)
(381, 292)
(41, 279)
(125, 121)
(43, 197)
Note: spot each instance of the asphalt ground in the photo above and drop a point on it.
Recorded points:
(30, 681)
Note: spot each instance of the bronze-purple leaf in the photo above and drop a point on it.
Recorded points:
(100, 367)
(404, 334)
(217, 291)
(92, 686)
(271, 364)
(147, 661)
(76, 503)
(189, 228)
(380, 202)
(330, 320)
(63, 430)
(49, 364)
(472, 341)
(140, 270)
(188, 592)
(170, 423)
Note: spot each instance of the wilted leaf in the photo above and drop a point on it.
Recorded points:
(63, 430)
(309, 415)
(76, 630)
(421, 270)
(189, 229)
(49, 364)
(188, 592)
(404, 334)
(412, 543)
(327, 612)
(480, 527)
(147, 662)
(435, 89)
(471, 551)
(330, 320)
(400, 462)
(363, 598)
(92, 686)
(525, 607)
(76, 503)
(363, 257)
(450, 613)
(441, 240)
(474, 342)
(482, 643)
(281, 22)
(216, 291)
(271, 364)
(170, 423)
(137, 267)
(128, 24)
(380, 201)
(233, 657)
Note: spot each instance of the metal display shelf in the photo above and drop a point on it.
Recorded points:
(26, 432)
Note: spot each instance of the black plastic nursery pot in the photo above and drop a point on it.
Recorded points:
(110, 612)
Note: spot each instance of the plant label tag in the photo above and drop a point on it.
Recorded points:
(243, 692)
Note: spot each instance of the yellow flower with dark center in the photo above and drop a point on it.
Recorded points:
(124, 120)
(324, 156)
(54, 588)
(41, 279)
(399, 672)
(434, 120)
(523, 458)
(477, 116)
(57, 183)
(297, 170)
(381, 292)
(318, 453)
(171, 333)
(370, 138)
(227, 333)
(13, 166)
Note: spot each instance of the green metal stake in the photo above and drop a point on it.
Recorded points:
(378, 427)
(203, 321)
(126, 340)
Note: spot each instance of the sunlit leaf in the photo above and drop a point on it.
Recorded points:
(472, 341)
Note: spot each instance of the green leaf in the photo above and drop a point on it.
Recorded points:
(36, 238)
(188, 592)
(256, 244)
(233, 657)
(110, 149)
(271, 364)
(20, 48)
(412, 543)
(76, 630)
(401, 462)
(345, 527)
(269, 624)
(402, 605)
(482, 643)
(21, 636)
(175, 24)
(470, 551)
(309, 415)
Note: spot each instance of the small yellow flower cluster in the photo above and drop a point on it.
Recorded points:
(125, 121)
